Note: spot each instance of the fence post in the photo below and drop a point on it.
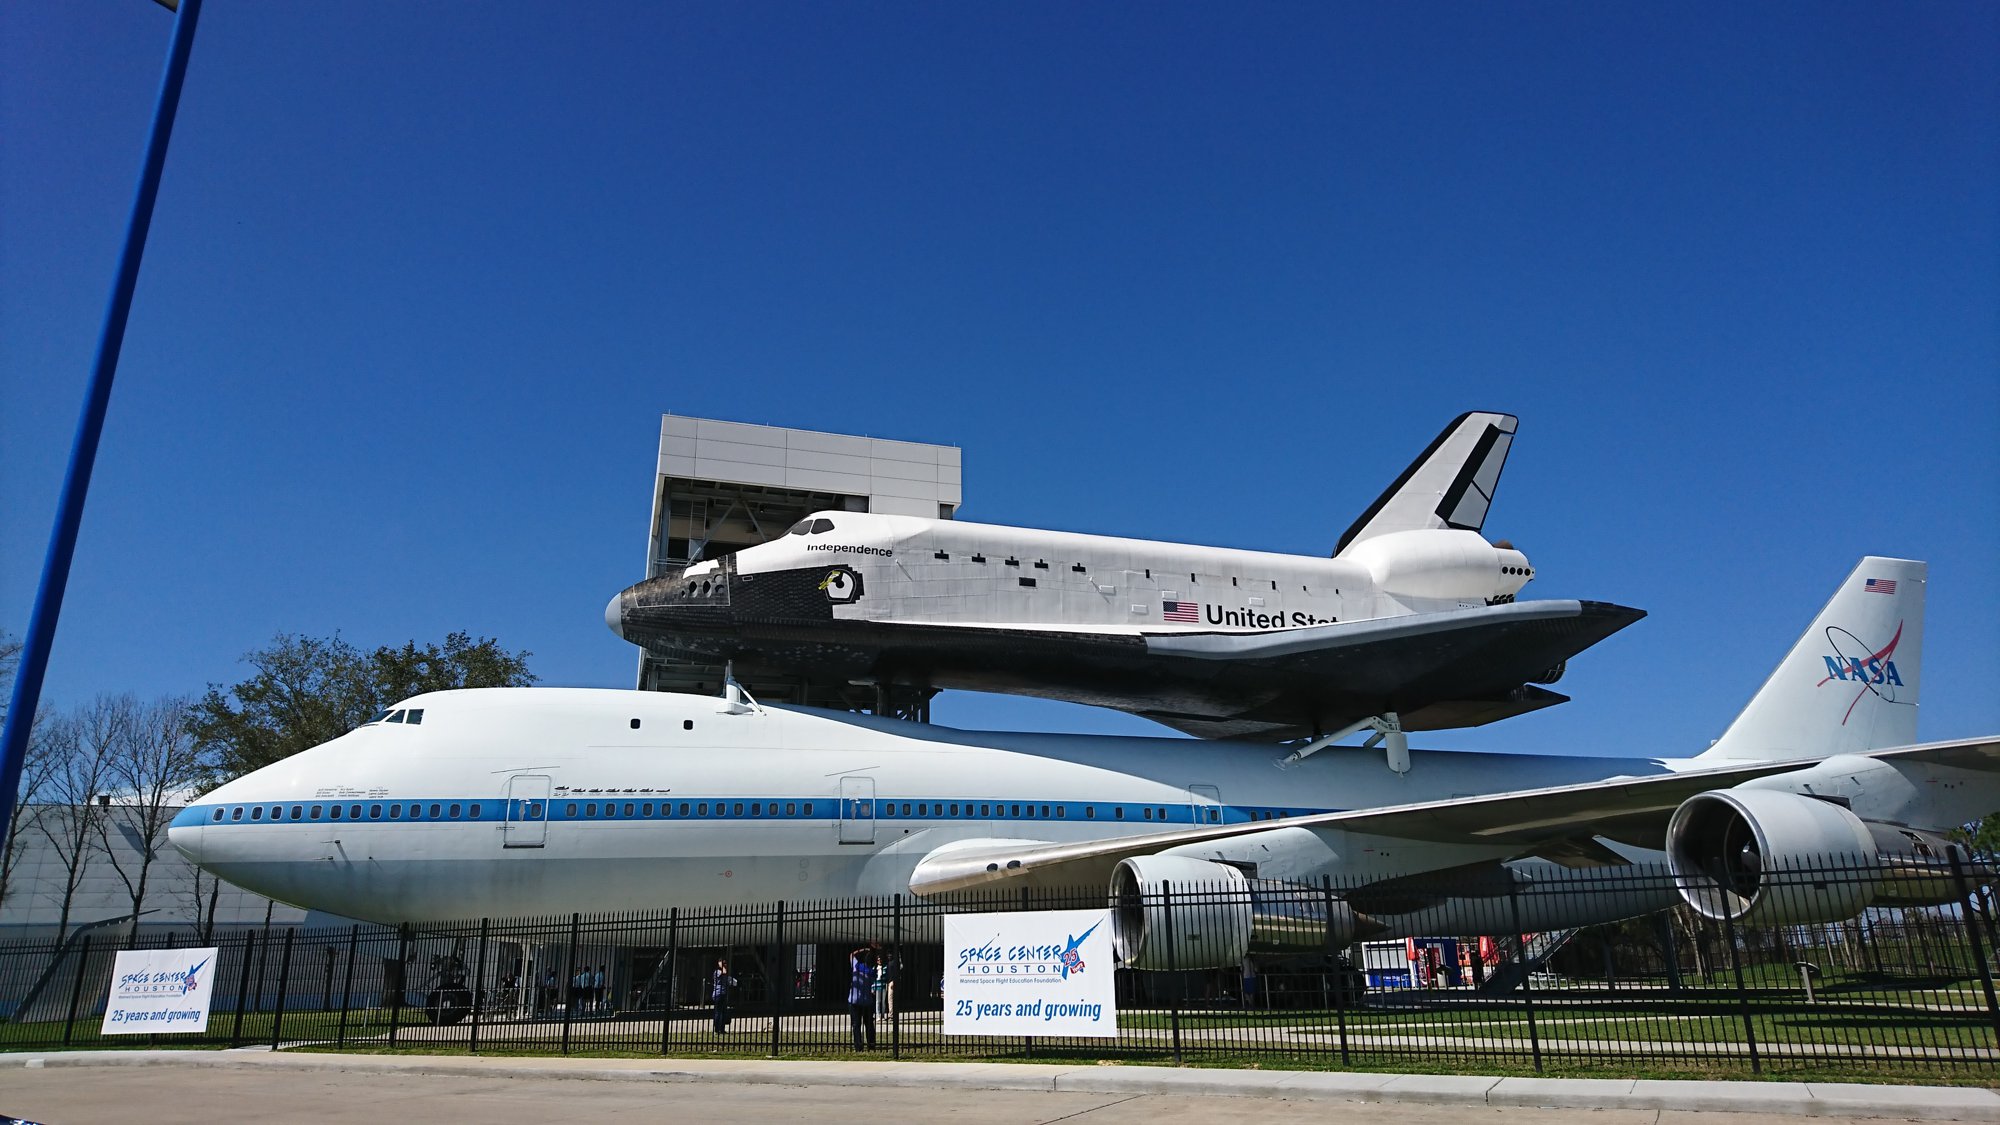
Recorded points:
(402, 981)
(1173, 967)
(1339, 978)
(479, 984)
(76, 990)
(780, 986)
(284, 982)
(1742, 993)
(242, 988)
(896, 1009)
(673, 955)
(1971, 920)
(1527, 971)
(569, 980)
(347, 984)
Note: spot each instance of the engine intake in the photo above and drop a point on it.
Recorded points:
(1764, 856)
(1173, 912)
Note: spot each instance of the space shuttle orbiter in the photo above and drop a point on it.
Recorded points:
(1413, 624)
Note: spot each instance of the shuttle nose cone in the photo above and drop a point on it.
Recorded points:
(614, 614)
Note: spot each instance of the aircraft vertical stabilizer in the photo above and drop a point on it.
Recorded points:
(1450, 485)
(1850, 683)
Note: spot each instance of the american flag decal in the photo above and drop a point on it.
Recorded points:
(1185, 611)
(1879, 586)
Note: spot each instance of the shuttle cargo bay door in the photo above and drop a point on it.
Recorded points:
(527, 824)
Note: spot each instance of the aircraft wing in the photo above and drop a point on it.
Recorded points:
(1632, 810)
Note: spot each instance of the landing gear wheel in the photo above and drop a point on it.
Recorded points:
(448, 1005)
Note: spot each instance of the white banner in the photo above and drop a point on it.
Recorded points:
(160, 990)
(1029, 973)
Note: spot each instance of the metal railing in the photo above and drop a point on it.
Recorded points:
(1895, 989)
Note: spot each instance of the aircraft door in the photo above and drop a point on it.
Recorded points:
(1205, 803)
(527, 824)
(857, 810)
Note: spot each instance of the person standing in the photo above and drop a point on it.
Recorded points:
(599, 995)
(719, 984)
(861, 995)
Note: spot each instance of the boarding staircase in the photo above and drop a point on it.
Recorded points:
(1515, 957)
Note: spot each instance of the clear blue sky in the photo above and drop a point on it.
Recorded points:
(424, 277)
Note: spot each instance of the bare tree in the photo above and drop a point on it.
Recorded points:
(81, 748)
(152, 765)
(43, 753)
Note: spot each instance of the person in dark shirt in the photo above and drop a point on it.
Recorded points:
(861, 994)
(719, 984)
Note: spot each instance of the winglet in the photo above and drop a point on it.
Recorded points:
(1450, 485)
(1850, 682)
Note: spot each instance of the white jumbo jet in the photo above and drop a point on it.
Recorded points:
(506, 802)
(1413, 624)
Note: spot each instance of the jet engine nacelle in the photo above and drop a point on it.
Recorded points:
(1441, 564)
(1172, 912)
(1767, 857)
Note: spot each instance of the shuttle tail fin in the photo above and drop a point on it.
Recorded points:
(1449, 485)
(1850, 683)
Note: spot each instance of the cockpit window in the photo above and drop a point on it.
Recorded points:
(414, 716)
(396, 716)
(376, 717)
(801, 527)
(822, 526)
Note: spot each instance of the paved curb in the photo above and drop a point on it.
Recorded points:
(1813, 1099)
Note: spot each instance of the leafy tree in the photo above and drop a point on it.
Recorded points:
(308, 690)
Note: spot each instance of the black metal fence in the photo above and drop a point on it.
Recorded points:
(1506, 976)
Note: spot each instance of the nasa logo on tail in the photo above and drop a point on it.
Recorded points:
(1855, 661)
(841, 585)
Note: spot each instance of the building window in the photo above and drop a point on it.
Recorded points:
(1028, 582)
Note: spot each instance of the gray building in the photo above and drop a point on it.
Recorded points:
(722, 486)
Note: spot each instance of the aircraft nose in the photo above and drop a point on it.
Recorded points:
(185, 835)
(614, 614)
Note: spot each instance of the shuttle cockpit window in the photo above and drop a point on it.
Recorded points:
(818, 526)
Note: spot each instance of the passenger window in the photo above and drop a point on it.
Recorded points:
(473, 812)
(218, 815)
(333, 813)
(435, 810)
(1163, 814)
(808, 809)
(298, 812)
(701, 809)
(687, 724)
(374, 812)
(756, 809)
(590, 809)
(1060, 811)
(354, 812)
(684, 808)
(1215, 816)
(395, 812)
(534, 809)
(257, 813)
(570, 809)
(315, 812)
(1017, 810)
(645, 809)
(1118, 813)
(791, 808)
(1045, 810)
(1149, 814)
(1090, 812)
(738, 810)
(773, 810)
(983, 812)
(954, 809)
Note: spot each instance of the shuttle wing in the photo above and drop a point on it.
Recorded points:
(1632, 810)
(1458, 668)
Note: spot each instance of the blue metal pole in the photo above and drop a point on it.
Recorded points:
(83, 455)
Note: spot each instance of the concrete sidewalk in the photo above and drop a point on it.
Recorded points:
(1818, 1099)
